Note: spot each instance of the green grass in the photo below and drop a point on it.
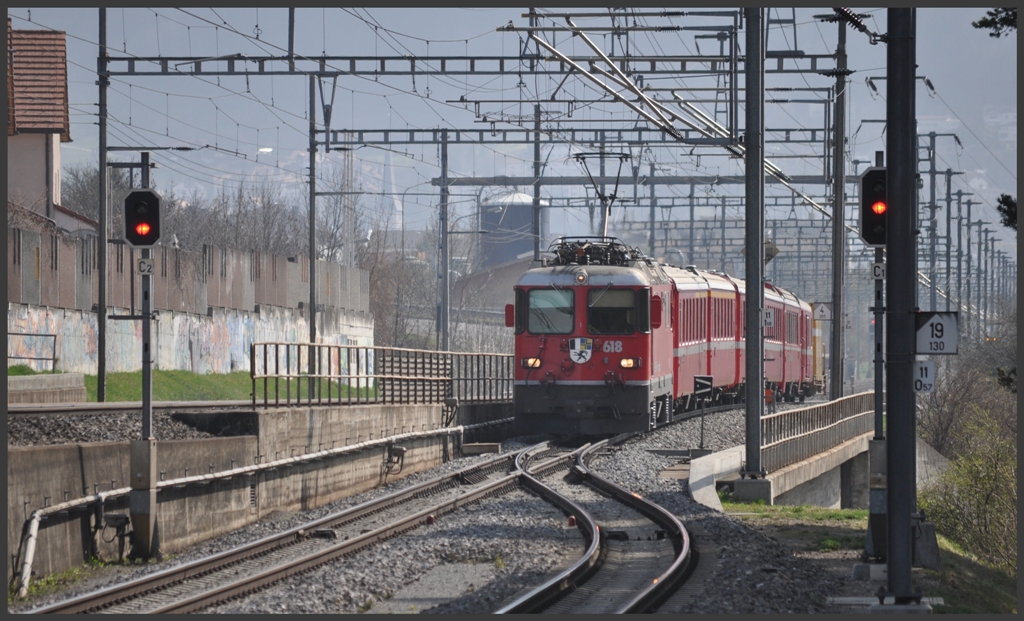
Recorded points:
(24, 369)
(188, 386)
(55, 582)
(806, 513)
(966, 585)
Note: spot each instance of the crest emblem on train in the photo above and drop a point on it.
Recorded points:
(579, 349)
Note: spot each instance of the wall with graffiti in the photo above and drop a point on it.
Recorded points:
(215, 343)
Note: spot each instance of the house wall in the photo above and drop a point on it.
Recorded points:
(26, 170)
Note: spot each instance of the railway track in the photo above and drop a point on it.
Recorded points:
(637, 553)
(203, 583)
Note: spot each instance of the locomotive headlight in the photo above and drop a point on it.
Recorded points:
(630, 363)
(581, 277)
(531, 363)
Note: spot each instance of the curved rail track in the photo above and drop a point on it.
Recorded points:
(640, 556)
(633, 562)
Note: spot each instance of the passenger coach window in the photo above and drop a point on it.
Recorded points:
(611, 311)
(551, 311)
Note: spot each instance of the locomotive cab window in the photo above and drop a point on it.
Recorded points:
(611, 311)
(550, 311)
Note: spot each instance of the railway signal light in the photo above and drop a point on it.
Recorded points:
(142, 218)
(874, 207)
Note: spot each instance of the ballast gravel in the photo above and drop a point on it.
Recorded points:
(522, 541)
(106, 427)
(754, 575)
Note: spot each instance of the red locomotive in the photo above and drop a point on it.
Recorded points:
(608, 340)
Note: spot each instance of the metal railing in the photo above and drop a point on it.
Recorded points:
(53, 347)
(795, 435)
(346, 374)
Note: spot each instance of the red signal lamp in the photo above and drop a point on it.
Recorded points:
(142, 228)
(879, 207)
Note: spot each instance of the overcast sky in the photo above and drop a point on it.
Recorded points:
(974, 78)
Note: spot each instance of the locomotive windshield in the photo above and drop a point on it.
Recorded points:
(551, 311)
(611, 311)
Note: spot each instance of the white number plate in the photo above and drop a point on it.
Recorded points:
(924, 376)
(937, 334)
(145, 267)
(609, 347)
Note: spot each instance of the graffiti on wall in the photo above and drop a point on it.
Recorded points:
(217, 343)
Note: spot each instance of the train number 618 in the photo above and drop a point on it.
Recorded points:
(612, 347)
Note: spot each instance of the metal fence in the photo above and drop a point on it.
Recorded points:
(795, 435)
(32, 342)
(344, 374)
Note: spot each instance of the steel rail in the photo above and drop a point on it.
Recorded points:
(551, 590)
(672, 578)
(251, 584)
(161, 580)
(660, 589)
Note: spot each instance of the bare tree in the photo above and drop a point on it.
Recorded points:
(401, 287)
(339, 215)
(80, 188)
(255, 216)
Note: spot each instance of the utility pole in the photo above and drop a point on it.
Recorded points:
(986, 250)
(754, 264)
(692, 259)
(654, 204)
(143, 458)
(147, 326)
(601, 194)
(901, 298)
(931, 223)
(879, 315)
(838, 218)
(967, 290)
(536, 176)
(444, 259)
(103, 80)
(949, 237)
(312, 234)
(986, 280)
(959, 251)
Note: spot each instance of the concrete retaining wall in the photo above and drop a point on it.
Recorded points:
(189, 514)
(217, 342)
(476, 413)
(57, 388)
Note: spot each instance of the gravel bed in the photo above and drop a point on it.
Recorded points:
(112, 427)
(519, 535)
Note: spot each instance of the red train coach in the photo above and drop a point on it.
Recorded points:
(608, 340)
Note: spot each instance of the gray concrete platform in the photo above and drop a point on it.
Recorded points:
(457, 579)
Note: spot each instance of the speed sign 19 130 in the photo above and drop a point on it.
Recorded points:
(937, 333)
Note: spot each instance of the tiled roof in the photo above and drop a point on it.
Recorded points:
(37, 82)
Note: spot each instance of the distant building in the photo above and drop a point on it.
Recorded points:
(37, 124)
(508, 220)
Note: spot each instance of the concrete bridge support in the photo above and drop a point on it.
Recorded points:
(835, 478)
